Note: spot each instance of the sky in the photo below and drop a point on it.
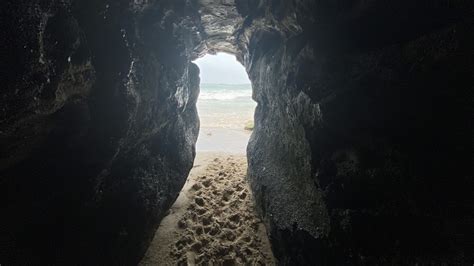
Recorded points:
(222, 69)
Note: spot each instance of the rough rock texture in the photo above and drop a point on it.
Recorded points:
(362, 147)
(220, 21)
(97, 126)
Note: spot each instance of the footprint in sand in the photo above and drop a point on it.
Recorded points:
(196, 187)
(199, 201)
(206, 183)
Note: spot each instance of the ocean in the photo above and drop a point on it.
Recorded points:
(225, 105)
(224, 111)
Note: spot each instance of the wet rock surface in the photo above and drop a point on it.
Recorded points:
(361, 151)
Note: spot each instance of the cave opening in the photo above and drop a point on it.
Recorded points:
(214, 218)
(225, 106)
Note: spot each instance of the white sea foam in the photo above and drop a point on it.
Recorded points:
(225, 92)
(225, 106)
(224, 95)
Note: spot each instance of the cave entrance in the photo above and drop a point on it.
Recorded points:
(225, 105)
(213, 220)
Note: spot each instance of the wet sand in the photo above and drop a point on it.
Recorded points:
(226, 140)
(213, 221)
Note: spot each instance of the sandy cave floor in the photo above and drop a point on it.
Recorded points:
(213, 221)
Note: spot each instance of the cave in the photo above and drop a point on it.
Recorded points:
(361, 152)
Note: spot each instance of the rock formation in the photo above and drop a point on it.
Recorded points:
(98, 126)
(361, 152)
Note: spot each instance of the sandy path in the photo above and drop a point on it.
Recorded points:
(213, 221)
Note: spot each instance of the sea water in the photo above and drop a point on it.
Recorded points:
(224, 111)
(225, 105)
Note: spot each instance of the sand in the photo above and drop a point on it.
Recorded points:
(213, 221)
(226, 140)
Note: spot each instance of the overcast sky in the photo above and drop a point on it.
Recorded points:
(222, 68)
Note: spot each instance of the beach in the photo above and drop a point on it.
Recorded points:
(224, 112)
(214, 221)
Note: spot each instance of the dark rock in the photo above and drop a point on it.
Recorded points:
(98, 126)
(361, 149)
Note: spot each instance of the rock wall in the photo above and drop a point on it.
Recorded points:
(97, 126)
(362, 148)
